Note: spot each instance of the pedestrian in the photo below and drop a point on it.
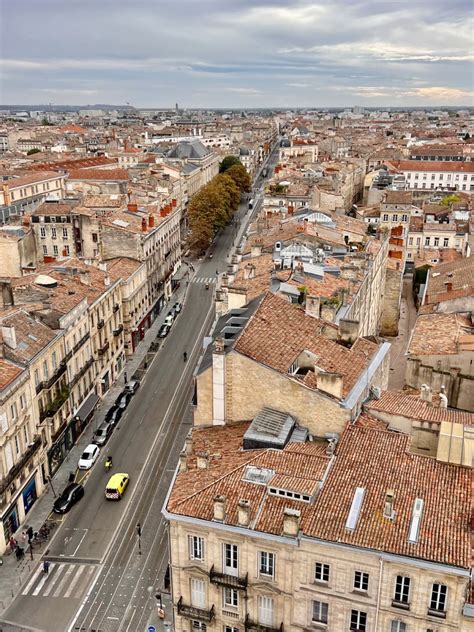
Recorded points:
(125, 377)
(19, 552)
(24, 537)
(46, 567)
(29, 533)
(13, 543)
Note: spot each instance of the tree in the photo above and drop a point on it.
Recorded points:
(229, 161)
(35, 150)
(239, 174)
(450, 199)
(228, 184)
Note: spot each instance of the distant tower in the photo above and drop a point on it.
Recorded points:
(176, 108)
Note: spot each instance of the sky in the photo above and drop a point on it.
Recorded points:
(237, 53)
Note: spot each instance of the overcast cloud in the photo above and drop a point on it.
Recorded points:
(239, 53)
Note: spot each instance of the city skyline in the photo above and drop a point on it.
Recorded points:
(248, 54)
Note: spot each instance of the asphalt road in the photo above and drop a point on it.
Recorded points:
(102, 576)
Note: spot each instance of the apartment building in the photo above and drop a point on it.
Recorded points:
(429, 175)
(22, 194)
(272, 533)
(17, 249)
(52, 224)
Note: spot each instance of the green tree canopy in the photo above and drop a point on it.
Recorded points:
(35, 150)
(239, 174)
(229, 161)
(450, 199)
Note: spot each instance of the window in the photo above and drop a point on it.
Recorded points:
(53, 232)
(13, 411)
(54, 361)
(25, 435)
(404, 218)
(402, 589)
(358, 621)
(45, 370)
(266, 565)
(22, 401)
(398, 626)
(439, 593)
(196, 548)
(361, 581)
(95, 238)
(199, 625)
(17, 445)
(230, 559)
(230, 598)
(45, 250)
(66, 251)
(198, 595)
(321, 572)
(37, 377)
(418, 241)
(230, 628)
(320, 612)
(433, 176)
(265, 610)
(42, 232)
(385, 217)
(395, 217)
(55, 250)
(427, 241)
(446, 242)
(436, 241)
(65, 235)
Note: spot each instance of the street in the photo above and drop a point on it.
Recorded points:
(102, 575)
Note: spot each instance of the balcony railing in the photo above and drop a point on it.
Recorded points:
(119, 330)
(52, 380)
(20, 465)
(103, 350)
(57, 403)
(229, 581)
(191, 612)
(116, 307)
(100, 324)
(82, 371)
(252, 626)
(79, 344)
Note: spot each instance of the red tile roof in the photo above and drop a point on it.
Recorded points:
(430, 165)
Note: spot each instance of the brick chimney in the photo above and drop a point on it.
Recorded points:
(144, 225)
(132, 207)
(449, 286)
(151, 221)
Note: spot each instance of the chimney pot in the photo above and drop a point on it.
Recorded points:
(133, 208)
(144, 225)
(291, 522)
(202, 460)
(244, 513)
(183, 462)
(219, 508)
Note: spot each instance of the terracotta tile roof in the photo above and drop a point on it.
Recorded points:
(75, 163)
(460, 273)
(32, 336)
(33, 178)
(431, 165)
(438, 334)
(98, 174)
(122, 267)
(279, 331)
(375, 460)
(413, 407)
(398, 197)
(8, 372)
(103, 201)
(55, 208)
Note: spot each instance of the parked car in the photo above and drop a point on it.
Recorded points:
(169, 320)
(177, 307)
(164, 331)
(132, 386)
(88, 457)
(123, 399)
(69, 497)
(102, 434)
(116, 486)
(113, 415)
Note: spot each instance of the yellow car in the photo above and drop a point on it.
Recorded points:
(116, 486)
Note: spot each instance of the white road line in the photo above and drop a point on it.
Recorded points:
(31, 582)
(85, 581)
(54, 579)
(63, 581)
(80, 542)
(43, 581)
(75, 580)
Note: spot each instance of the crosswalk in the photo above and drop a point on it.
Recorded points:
(64, 581)
(204, 280)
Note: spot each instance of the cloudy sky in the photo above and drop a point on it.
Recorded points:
(237, 53)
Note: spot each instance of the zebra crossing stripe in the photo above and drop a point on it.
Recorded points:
(54, 579)
(43, 581)
(63, 581)
(74, 581)
(32, 581)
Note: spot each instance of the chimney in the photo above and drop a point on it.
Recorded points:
(151, 221)
(443, 400)
(256, 249)
(291, 210)
(249, 271)
(188, 443)
(106, 280)
(202, 460)
(243, 513)
(9, 336)
(133, 208)
(144, 225)
(291, 522)
(449, 286)
(219, 508)
(348, 330)
(388, 511)
(426, 394)
(330, 383)
(218, 383)
(183, 462)
(84, 277)
(312, 306)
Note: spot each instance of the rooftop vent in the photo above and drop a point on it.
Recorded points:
(270, 428)
(46, 281)
(258, 475)
(415, 521)
(355, 509)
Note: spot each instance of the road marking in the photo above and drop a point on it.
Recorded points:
(43, 581)
(63, 581)
(54, 579)
(74, 581)
(80, 542)
(31, 582)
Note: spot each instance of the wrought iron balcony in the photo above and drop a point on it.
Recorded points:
(52, 380)
(20, 465)
(191, 612)
(79, 344)
(103, 350)
(119, 330)
(100, 323)
(252, 626)
(229, 581)
(82, 371)
(116, 308)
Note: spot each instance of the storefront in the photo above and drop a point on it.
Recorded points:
(30, 495)
(10, 521)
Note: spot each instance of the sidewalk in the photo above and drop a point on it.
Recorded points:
(13, 574)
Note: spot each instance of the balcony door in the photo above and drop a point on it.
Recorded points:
(198, 596)
(231, 561)
(265, 610)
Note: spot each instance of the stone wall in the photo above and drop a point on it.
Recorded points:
(391, 302)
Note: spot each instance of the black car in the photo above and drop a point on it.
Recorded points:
(123, 399)
(113, 415)
(71, 494)
(102, 434)
(164, 331)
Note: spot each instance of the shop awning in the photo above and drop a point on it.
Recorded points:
(87, 407)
